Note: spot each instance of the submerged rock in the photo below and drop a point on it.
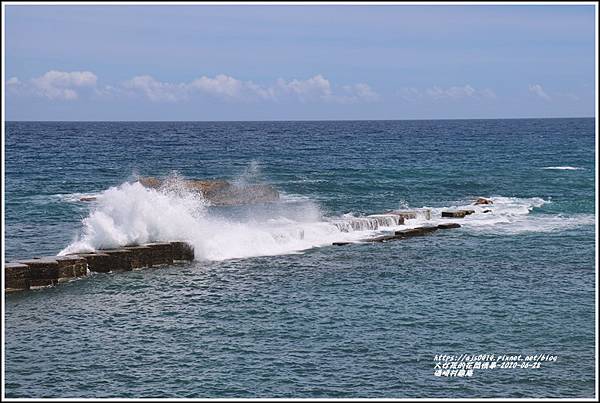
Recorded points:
(223, 193)
(415, 231)
(448, 226)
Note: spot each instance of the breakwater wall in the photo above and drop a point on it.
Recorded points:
(418, 231)
(51, 270)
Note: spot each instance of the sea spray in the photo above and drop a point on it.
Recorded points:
(133, 214)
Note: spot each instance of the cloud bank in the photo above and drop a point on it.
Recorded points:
(67, 86)
(55, 85)
(452, 93)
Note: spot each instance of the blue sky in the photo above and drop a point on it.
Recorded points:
(199, 62)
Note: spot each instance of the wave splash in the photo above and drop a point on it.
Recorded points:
(133, 214)
(564, 168)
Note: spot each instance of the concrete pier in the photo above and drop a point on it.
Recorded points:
(69, 267)
(182, 251)
(162, 253)
(141, 256)
(51, 270)
(97, 262)
(16, 277)
(413, 214)
(43, 272)
(120, 259)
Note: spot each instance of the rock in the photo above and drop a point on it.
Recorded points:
(457, 213)
(182, 251)
(87, 198)
(162, 253)
(382, 238)
(415, 231)
(341, 243)
(17, 277)
(120, 259)
(44, 272)
(141, 256)
(448, 226)
(223, 193)
(97, 262)
(483, 200)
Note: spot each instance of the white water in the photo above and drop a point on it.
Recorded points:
(565, 168)
(132, 214)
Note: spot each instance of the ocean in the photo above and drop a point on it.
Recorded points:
(270, 308)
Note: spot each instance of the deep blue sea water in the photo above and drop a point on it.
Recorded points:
(269, 309)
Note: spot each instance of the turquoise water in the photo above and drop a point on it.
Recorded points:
(269, 309)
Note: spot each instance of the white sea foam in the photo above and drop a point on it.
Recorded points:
(509, 215)
(565, 168)
(133, 214)
(76, 197)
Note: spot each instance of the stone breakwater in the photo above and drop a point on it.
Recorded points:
(51, 270)
(412, 214)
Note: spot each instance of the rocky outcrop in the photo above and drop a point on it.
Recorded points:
(457, 213)
(223, 193)
(448, 226)
(341, 243)
(483, 200)
(405, 233)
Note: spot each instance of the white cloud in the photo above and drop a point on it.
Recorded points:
(454, 93)
(221, 85)
(538, 90)
(156, 90)
(61, 84)
(228, 88)
(14, 81)
(314, 88)
(364, 91)
(66, 86)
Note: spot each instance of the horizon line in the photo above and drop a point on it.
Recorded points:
(292, 120)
